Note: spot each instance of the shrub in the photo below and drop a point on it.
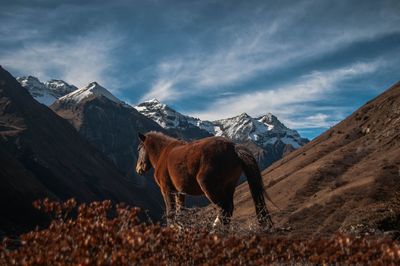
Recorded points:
(101, 233)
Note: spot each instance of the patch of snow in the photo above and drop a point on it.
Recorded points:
(91, 90)
(263, 131)
(169, 118)
(48, 92)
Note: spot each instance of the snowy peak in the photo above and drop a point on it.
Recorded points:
(263, 131)
(271, 122)
(241, 128)
(168, 118)
(180, 125)
(162, 114)
(47, 92)
(92, 90)
(153, 101)
(60, 87)
(244, 116)
(31, 83)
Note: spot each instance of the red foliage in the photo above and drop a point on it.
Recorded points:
(103, 234)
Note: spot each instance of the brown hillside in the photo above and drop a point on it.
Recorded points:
(346, 179)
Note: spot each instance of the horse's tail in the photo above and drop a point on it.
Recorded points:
(252, 172)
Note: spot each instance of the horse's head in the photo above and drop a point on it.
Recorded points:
(143, 163)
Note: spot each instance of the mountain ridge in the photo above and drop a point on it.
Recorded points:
(46, 92)
(266, 136)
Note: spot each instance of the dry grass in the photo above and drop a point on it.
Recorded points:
(100, 233)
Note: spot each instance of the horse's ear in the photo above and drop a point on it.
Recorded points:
(141, 137)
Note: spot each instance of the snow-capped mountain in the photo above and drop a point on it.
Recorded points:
(92, 90)
(47, 92)
(181, 125)
(107, 123)
(266, 136)
(262, 130)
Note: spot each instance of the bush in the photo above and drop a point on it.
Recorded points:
(100, 233)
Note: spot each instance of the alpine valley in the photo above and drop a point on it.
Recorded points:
(84, 145)
(97, 115)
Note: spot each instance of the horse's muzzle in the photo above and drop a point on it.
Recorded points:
(139, 170)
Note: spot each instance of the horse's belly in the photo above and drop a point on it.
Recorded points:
(188, 186)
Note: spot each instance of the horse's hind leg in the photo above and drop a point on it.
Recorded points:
(221, 196)
(226, 211)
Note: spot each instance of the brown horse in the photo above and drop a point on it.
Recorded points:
(210, 166)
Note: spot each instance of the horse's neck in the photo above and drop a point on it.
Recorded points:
(159, 146)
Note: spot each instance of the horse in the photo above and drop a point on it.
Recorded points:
(210, 166)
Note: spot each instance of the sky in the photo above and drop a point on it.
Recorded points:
(309, 62)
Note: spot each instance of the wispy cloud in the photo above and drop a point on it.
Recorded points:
(161, 91)
(255, 56)
(291, 100)
(79, 60)
(279, 39)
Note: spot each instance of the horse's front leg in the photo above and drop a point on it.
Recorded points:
(170, 205)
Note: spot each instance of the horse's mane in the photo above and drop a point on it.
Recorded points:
(161, 136)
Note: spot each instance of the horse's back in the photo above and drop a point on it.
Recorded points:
(215, 143)
(215, 154)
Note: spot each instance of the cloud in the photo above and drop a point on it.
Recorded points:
(80, 60)
(293, 101)
(318, 120)
(279, 39)
(161, 91)
(56, 40)
(256, 56)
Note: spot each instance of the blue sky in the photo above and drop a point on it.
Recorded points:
(310, 62)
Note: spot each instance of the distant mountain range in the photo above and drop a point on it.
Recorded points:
(344, 180)
(266, 136)
(47, 92)
(111, 126)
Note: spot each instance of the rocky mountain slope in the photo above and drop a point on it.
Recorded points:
(178, 124)
(42, 155)
(263, 130)
(347, 179)
(48, 92)
(266, 136)
(107, 123)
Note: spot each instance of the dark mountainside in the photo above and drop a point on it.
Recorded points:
(345, 180)
(269, 154)
(109, 126)
(43, 155)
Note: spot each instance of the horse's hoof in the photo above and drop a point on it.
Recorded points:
(217, 222)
